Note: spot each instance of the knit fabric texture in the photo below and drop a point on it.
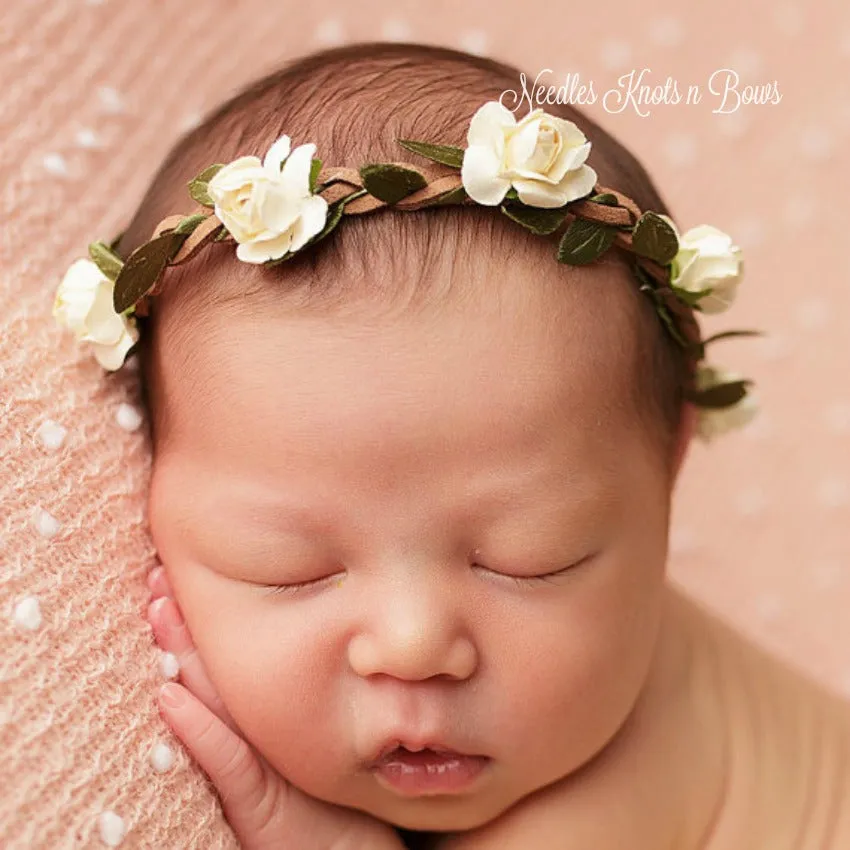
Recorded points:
(96, 91)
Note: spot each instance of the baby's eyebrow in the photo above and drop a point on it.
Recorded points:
(586, 497)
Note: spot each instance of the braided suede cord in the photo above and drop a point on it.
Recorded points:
(339, 182)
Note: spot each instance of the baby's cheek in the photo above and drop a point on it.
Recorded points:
(581, 669)
(273, 671)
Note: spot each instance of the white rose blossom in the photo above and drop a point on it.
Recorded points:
(707, 259)
(83, 303)
(541, 156)
(269, 211)
(711, 422)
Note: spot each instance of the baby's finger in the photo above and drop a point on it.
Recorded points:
(252, 794)
(173, 636)
(158, 583)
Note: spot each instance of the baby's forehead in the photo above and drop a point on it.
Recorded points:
(513, 341)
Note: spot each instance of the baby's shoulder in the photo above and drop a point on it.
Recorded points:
(788, 743)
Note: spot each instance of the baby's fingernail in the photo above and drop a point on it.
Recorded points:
(153, 576)
(172, 695)
(168, 610)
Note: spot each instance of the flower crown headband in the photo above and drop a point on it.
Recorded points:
(534, 170)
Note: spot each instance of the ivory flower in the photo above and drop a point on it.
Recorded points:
(541, 156)
(711, 422)
(269, 211)
(707, 259)
(83, 303)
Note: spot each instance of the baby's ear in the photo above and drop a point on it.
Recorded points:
(687, 426)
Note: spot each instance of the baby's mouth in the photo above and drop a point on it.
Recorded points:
(428, 771)
(401, 749)
(403, 753)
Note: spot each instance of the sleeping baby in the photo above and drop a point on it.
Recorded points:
(420, 376)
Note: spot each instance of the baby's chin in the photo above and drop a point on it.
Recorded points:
(438, 814)
(435, 813)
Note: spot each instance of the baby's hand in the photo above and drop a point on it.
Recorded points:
(264, 810)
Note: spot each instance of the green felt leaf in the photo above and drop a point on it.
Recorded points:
(190, 223)
(721, 395)
(445, 154)
(209, 172)
(390, 183)
(105, 259)
(668, 321)
(452, 197)
(605, 198)
(512, 194)
(143, 268)
(728, 334)
(199, 193)
(539, 220)
(198, 185)
(692, 299)
(653, 237)
(315, 168)
(585, 241)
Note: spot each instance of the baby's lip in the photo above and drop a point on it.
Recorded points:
(414, 746)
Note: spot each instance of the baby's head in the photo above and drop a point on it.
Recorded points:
(464, 447)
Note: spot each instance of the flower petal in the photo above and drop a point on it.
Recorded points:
(112, 357)
(266, 249)
(276, 154)
(296, 172)
(232, 224)
(521, 144)
(76, 294)
(314, 213)
(489, 123)
(537, 193)
(721, 297)
(234, 175)
(277, 209)
(708, 239)
(104, 326)
(570, 159)
(479, 174)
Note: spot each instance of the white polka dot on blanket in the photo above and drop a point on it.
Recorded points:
(51, 434)
(112, 828)
(55, 164)
(128, 417)
(45, 522)
(87, 138)
(110, 99)
(162, 757)
(169, 666)
(27, 613)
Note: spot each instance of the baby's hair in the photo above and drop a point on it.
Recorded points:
(354, 102)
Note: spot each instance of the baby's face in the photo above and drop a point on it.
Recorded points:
(419, 472)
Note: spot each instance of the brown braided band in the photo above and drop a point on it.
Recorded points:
(340, 182)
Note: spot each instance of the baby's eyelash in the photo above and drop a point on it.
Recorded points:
(293, 586)
(526, 580)
(518, 580)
